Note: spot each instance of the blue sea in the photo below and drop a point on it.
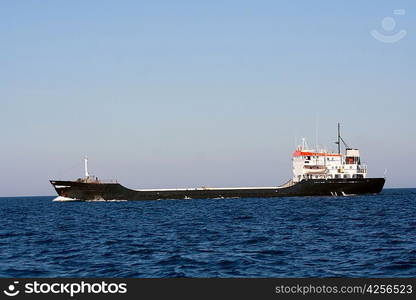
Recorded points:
(354, 236)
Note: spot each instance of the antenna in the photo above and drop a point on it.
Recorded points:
(296, 138)
(86, 167)
(316, 132)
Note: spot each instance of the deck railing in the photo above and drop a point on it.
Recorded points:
(362, 169)
(108, 180)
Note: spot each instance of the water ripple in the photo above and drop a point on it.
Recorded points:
(371, 236)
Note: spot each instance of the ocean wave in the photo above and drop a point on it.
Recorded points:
(368, 236)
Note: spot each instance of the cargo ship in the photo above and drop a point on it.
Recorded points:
(316, 172)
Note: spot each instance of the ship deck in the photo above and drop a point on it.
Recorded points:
(209, 189)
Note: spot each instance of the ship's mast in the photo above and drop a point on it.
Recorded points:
(339, 139)
(338, 142)
(86, 167)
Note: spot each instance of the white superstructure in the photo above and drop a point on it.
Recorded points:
(321, 164)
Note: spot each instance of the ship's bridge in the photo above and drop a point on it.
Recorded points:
(322, 164)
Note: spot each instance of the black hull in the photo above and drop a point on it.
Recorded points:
(313, 187)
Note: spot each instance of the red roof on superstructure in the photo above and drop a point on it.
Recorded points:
(304, 153)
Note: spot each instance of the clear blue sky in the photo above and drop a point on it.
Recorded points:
(193, 93)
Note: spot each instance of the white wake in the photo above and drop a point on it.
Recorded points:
(64, 199)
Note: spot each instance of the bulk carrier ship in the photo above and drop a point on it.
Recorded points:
(315, 173)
